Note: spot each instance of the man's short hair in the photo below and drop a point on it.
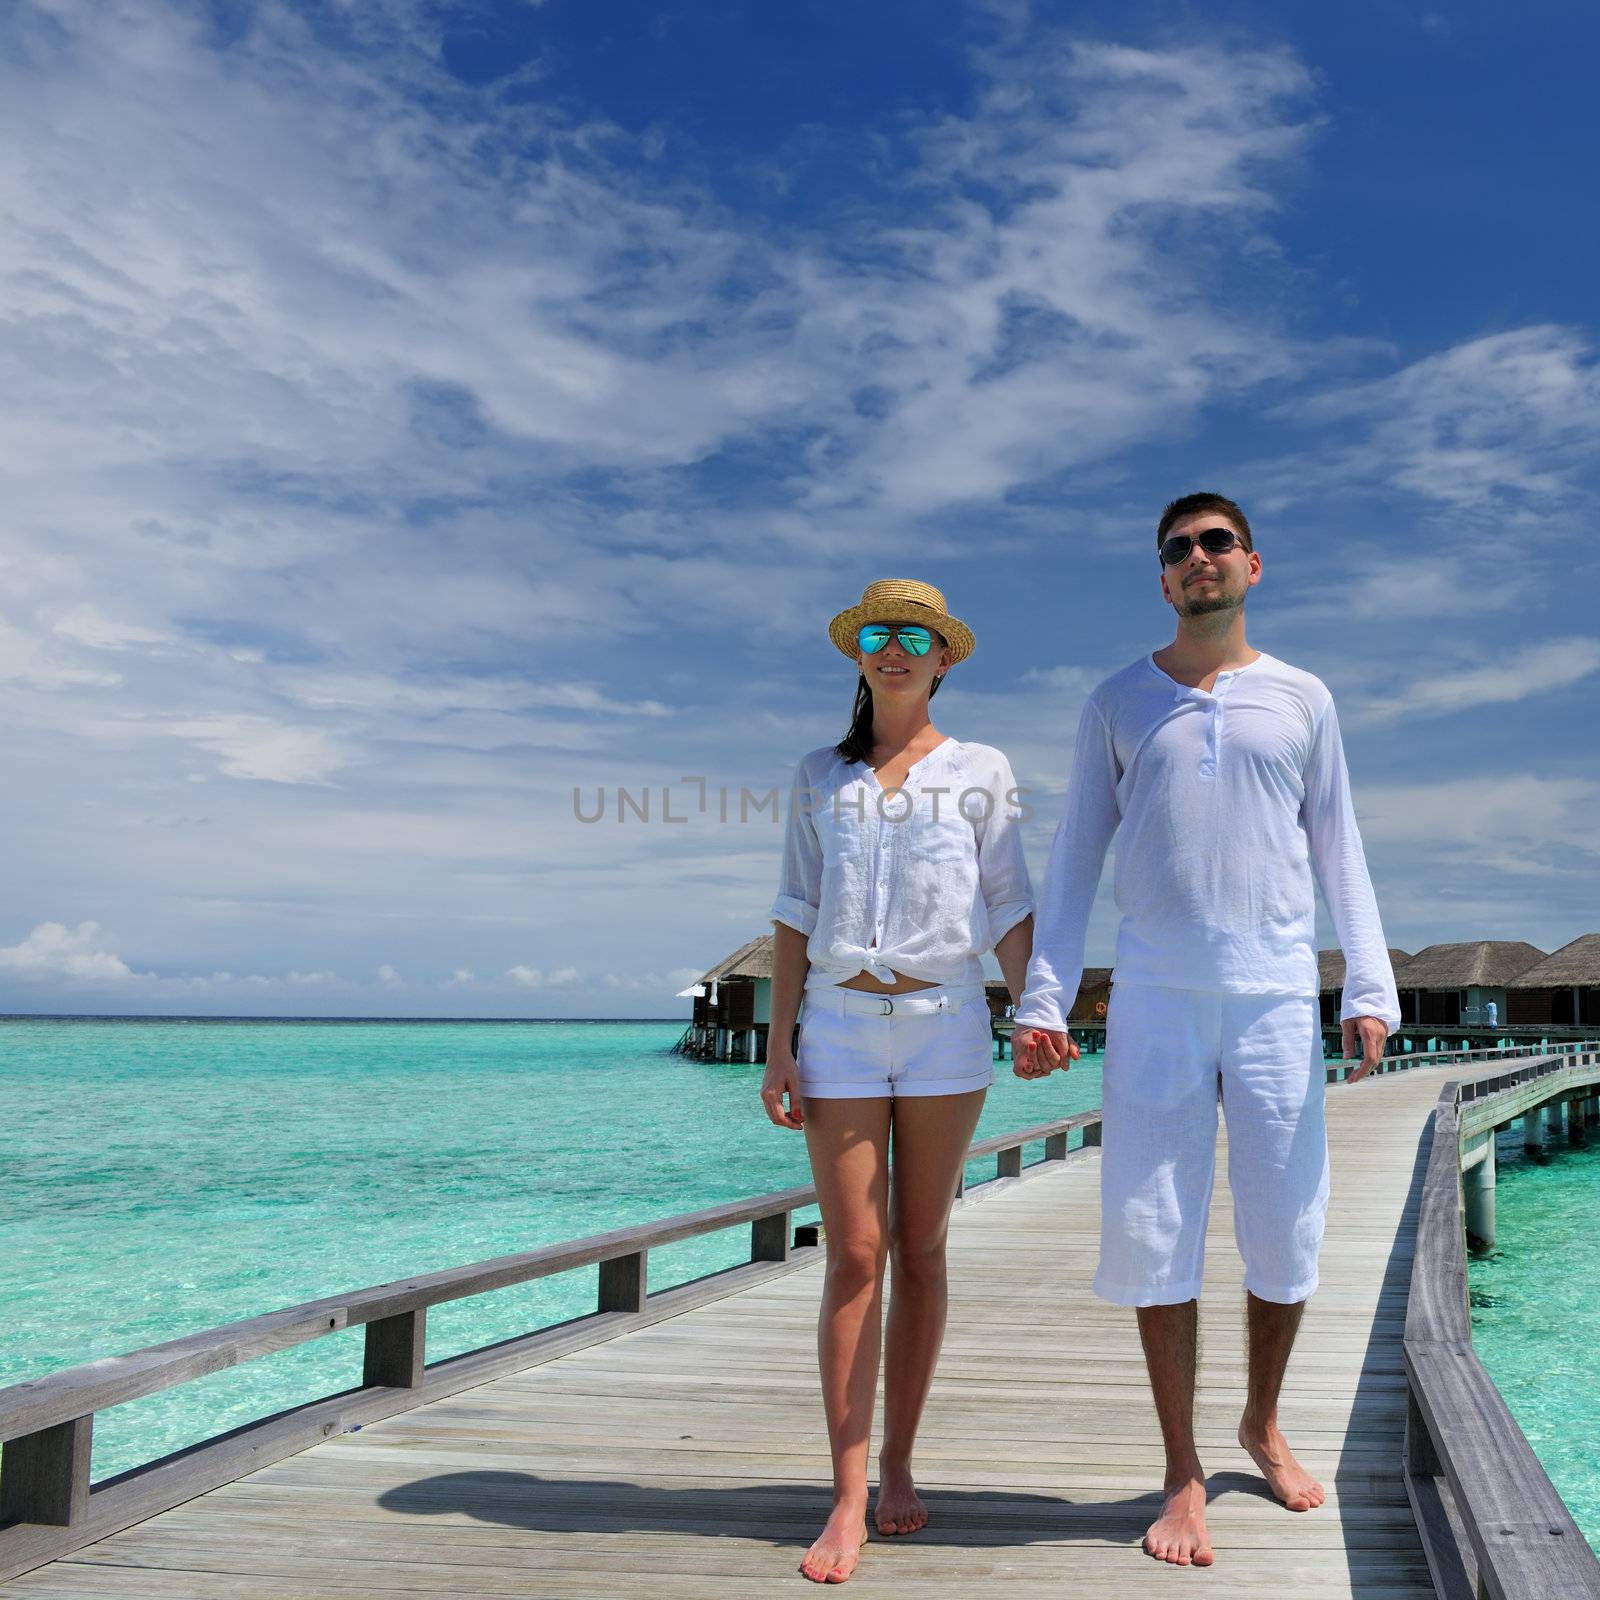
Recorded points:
(1189, 505)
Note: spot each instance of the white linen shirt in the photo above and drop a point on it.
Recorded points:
(919, 880)
(1223, 803)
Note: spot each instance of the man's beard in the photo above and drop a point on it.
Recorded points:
(1202, 605)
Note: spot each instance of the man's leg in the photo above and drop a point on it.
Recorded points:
(1170, 1335)
(1271, 1329)
(1159, 1092)
(1278, 1171)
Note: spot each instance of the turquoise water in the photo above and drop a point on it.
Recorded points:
(161, 1178)
(1536, 1312)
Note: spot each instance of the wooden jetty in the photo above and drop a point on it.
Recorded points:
(673, 1443)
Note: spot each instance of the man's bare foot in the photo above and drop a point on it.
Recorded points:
(899, 1508)
(838, 1548)
(1287, 1479)
(1178, 1535)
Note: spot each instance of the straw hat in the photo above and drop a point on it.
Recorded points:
(901, 600)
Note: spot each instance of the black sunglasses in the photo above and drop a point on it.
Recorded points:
(1214, 541)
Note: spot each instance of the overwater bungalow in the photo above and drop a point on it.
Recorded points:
(1094, 997)
(1563, 989)
(1330, 984)
(732, 1006)
(1453, 985)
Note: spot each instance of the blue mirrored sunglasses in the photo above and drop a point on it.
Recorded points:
(914, 640)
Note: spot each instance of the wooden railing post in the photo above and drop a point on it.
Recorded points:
(1008, 1162)
(1422, 1459)
(623, 1282)
(769, 1237)
(44, 1476)
(1091, 1134)
(395, 1350)
(1055, 1146)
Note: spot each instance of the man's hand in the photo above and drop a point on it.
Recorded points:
(1037, 1052)
(1373, 1032)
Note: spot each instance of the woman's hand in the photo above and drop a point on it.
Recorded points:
(782, 1078)
(1037, 1052)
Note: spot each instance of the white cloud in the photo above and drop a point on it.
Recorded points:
(254, 747)
(88, 625)
(55, 951)
(1511, 677)
(653, 983)
(1047, 309)
(1502, 422)
(388, 976)
(527, 977)
(1502, 822)
(37, 663)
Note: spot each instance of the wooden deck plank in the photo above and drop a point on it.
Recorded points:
(690, 1457)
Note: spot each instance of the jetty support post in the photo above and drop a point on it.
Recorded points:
(1532, 1137)
(1575, 1131)
(1478, 1183)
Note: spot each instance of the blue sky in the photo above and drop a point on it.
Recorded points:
(416, 412)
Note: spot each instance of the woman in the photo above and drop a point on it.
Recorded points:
(902, 864)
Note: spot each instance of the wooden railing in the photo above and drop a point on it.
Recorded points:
(1492, 1523)
(1338, 1071)
(48, 1506)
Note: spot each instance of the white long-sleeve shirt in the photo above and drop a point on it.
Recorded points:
(1223, 804)
(919, 880)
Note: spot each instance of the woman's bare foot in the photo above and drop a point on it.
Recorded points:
(1178, 1535)
(838, 1548)
(899, 1508)
(1287, 1479)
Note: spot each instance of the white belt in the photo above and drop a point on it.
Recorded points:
(918, 1002)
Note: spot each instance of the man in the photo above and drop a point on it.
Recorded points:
(1222, 773)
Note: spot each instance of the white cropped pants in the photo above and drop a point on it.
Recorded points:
(1172, 1056)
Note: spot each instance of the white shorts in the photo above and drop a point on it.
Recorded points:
(1171, 1054)
(860, 1046)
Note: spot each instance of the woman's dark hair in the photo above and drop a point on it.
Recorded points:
(857, 743)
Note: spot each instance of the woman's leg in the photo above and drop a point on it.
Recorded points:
(848, 1142)
(931, 1135)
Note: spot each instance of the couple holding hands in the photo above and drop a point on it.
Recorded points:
(1221, 772)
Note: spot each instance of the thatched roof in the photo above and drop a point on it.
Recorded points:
(753, 960)
(1488, 963)
(1330, 968)
(1574, 966)
(1093, 977)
